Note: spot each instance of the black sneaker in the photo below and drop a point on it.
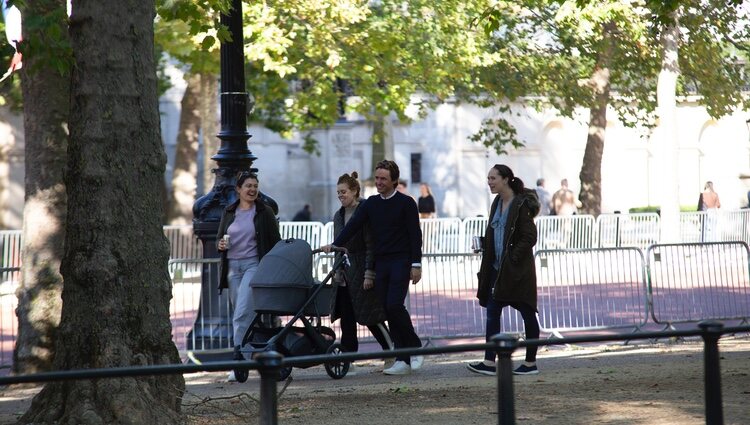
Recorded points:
(526, 370)
(481, 368)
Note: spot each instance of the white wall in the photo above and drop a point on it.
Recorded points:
(456, 168)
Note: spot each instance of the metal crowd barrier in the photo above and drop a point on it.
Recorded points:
(699, 281)
(470, 227)
(189, 298)
(638, 230)
(565, 232)
(182, 242)
(715, 226)
(444, 305)
(441, 235)
(10, 275)
(592, 288)
(310, 231)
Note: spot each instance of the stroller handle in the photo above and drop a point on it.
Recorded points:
(333, 249)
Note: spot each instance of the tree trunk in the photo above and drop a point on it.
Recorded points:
(209, 126)
(185, 171)
(116, 296)
(591, 168)
(666, 88)
(46, 103)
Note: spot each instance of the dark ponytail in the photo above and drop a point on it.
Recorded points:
(514, 182)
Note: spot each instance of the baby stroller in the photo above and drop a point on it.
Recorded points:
(283, 285)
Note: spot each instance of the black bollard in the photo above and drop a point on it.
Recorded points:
(505, 346)
(712, 371)
(270, 364)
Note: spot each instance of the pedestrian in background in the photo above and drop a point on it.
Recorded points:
(304, 214)
(356, 300)
(710, 203)
(544, 197)
(507, 275)
(709, 199)
(426, 202)
(253, 230)
(564, 201)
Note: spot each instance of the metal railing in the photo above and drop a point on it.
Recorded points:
(10, 275)
(190, 298)
(444, 305)
(591, 289)
(715, 226)
(625, 230)
(699, 281)
(269, 364)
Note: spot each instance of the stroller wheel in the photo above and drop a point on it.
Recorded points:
(284, 373)
(336, 369)
(241, 375)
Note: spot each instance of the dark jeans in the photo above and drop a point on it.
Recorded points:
(348, 324)
(494, 319)
(392, 284)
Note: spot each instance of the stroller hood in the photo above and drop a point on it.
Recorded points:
(288, 263)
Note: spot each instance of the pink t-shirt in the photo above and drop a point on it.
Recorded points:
(242, 243)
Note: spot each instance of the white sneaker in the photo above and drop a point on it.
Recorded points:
(398, 368)
(231, 377)
(388, 362)
(417, 362)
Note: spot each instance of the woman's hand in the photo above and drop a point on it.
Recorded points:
(222, 245)
(368, 284)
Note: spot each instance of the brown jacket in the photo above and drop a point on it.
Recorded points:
(516, 280)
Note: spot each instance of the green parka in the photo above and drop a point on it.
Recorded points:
(516, 279)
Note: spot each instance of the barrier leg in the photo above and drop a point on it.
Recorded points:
(712, 372)
(505, 345)
(270, 364)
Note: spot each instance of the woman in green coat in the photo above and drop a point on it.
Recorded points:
(507, 276)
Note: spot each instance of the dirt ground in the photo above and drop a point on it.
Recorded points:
(646, 383)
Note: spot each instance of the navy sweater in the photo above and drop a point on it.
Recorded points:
(394, 224)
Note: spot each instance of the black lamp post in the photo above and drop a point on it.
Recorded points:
(213, 326)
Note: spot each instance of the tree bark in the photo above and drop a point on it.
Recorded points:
(185, 171)
(117, 290)
(46, 104)
(666, 88)
(591, 168)
(209, 126)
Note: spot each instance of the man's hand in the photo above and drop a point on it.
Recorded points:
(326, 248)
(416, 275)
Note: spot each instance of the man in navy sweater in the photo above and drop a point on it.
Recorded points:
(394, 222)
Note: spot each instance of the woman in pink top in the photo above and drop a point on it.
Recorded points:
(710, 197)
(709, 202)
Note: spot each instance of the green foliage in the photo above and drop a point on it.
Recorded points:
(558, 45)
(310, 57)
(190, 32)
(657, 209)
(46, 36)
(46, 40)
(10, 89)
